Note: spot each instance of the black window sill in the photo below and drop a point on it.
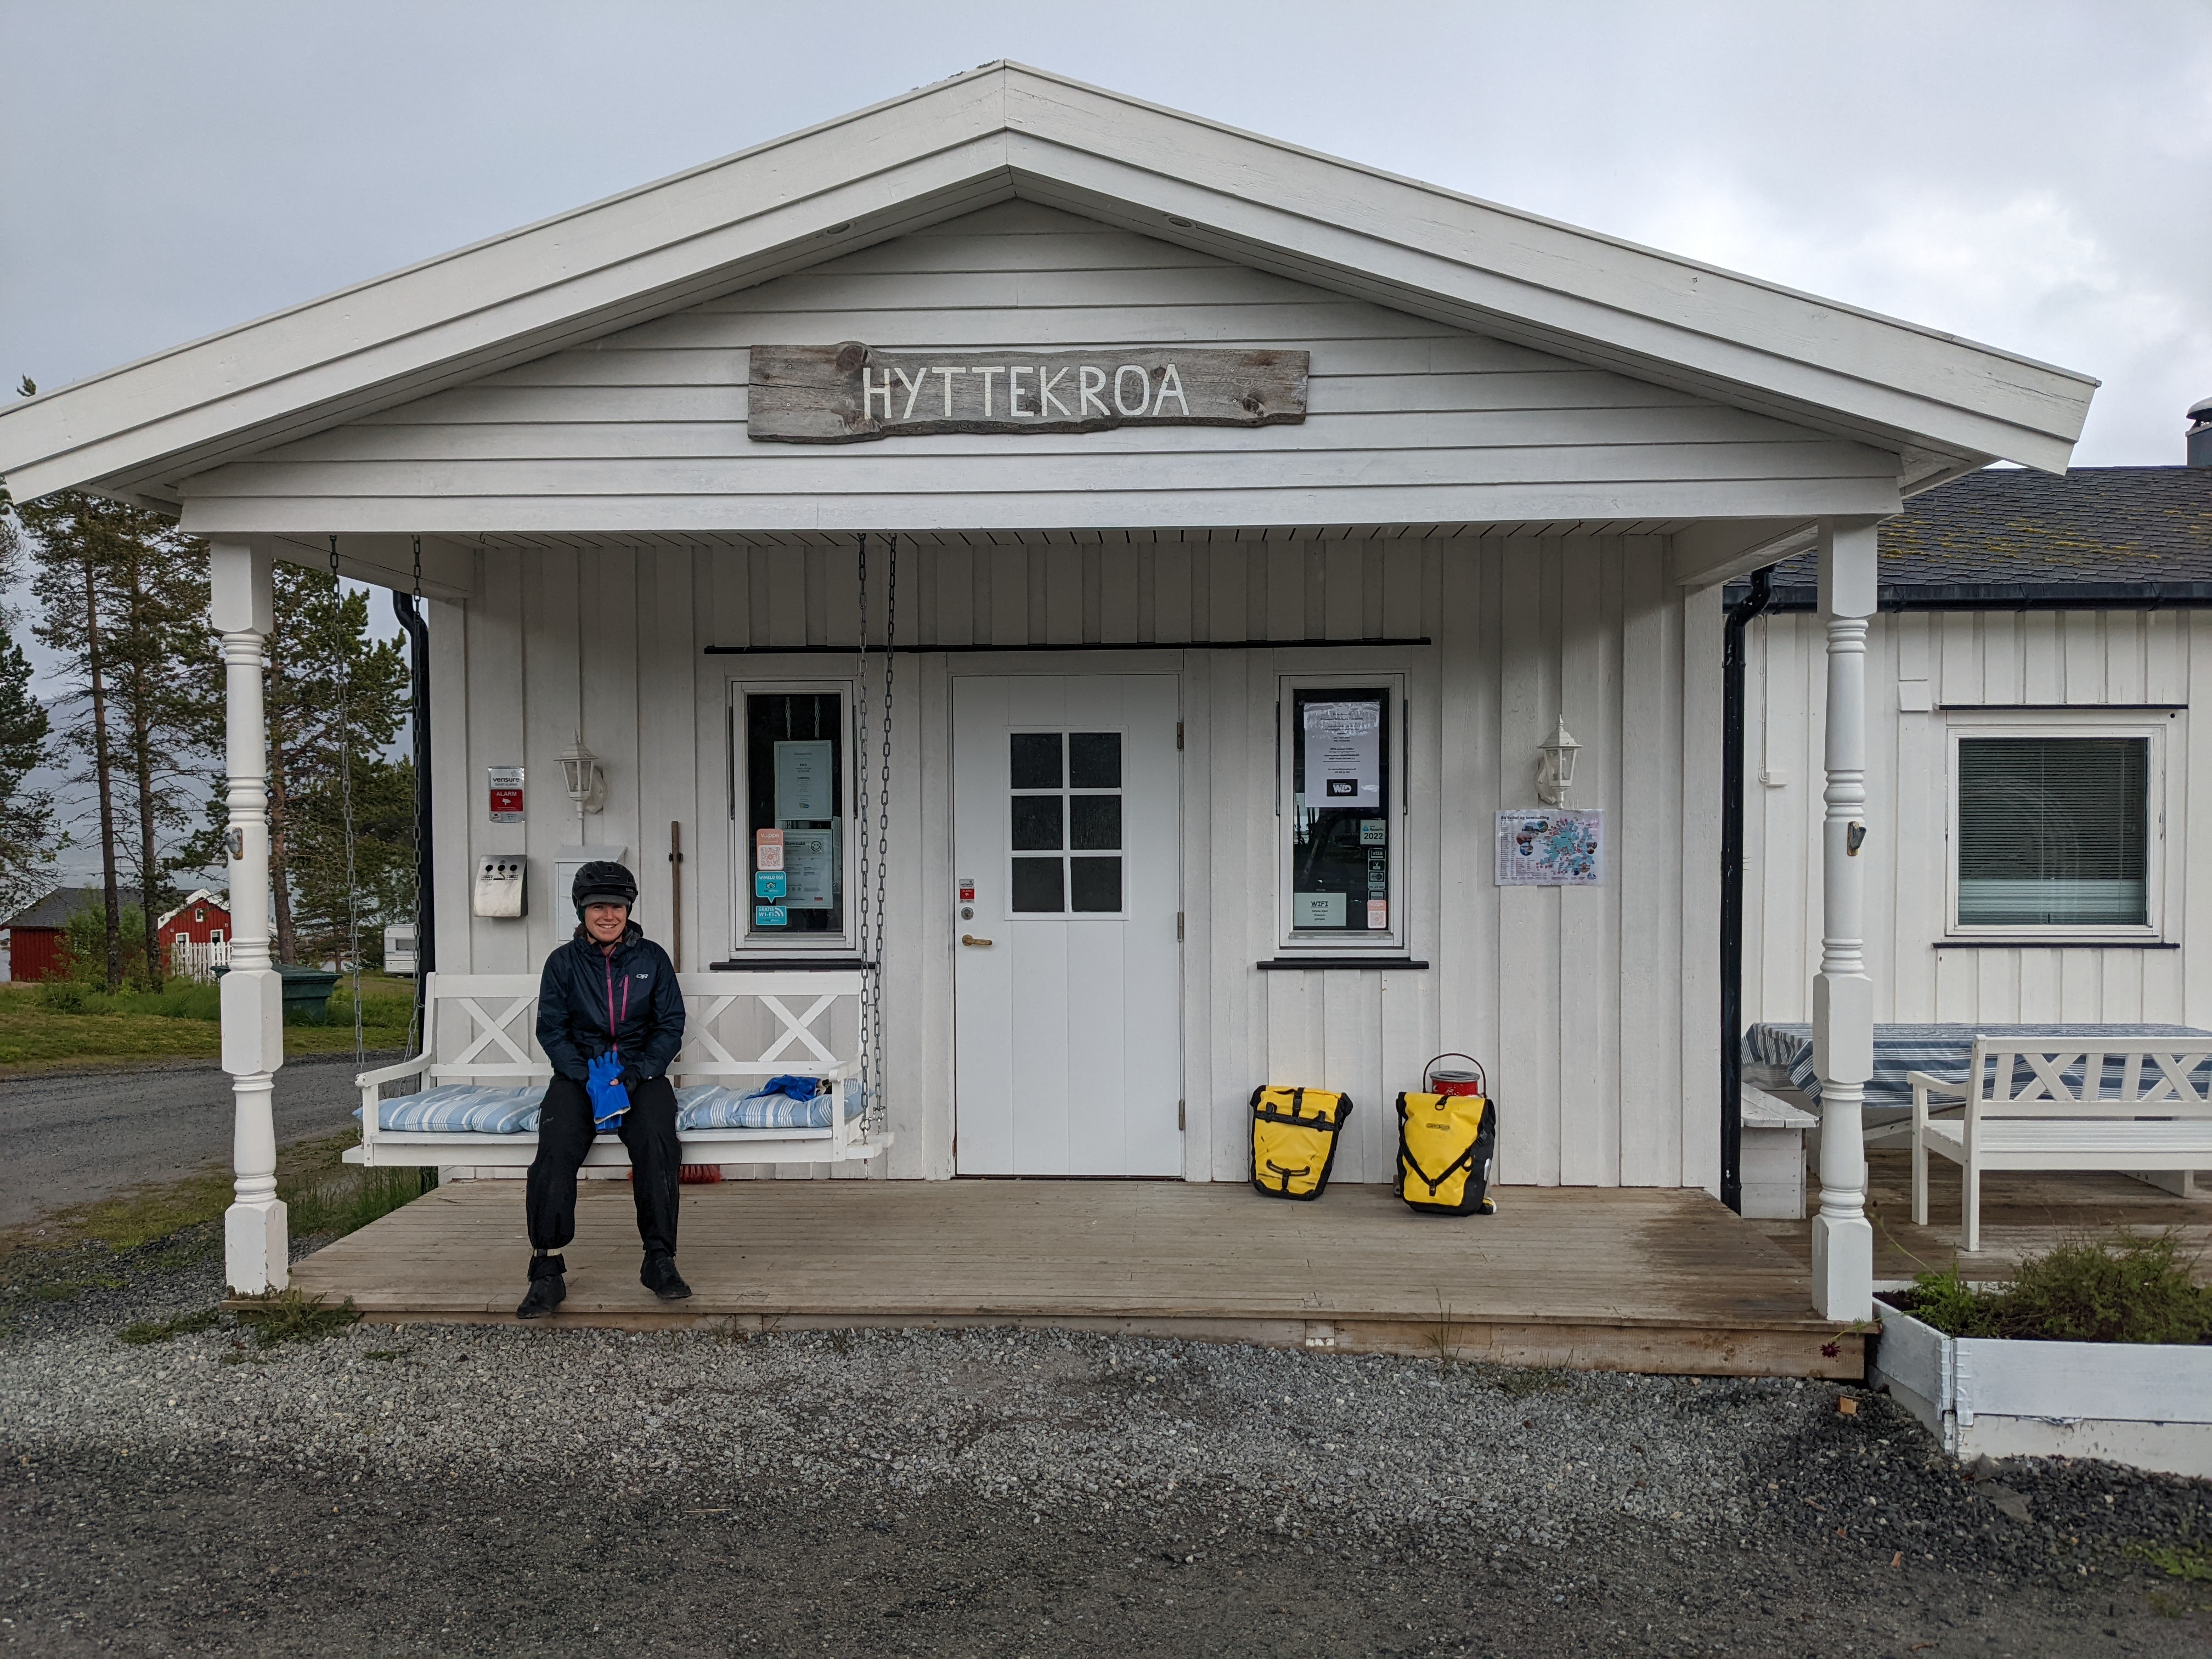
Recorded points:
(2030, 942)
(788, 964)
(1279, 964)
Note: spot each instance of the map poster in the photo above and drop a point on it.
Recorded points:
(1551, 846)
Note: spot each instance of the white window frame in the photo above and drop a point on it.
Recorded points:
(1068, 851)
(745, 940)
(2158, 784)
(1394, 943)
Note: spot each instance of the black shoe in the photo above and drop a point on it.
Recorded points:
(660, 1276)
(546, 1294)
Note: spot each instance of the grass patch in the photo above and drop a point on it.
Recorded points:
(287, 1316)
(2130, 1288)
(61, 1256)
(177, 1023)
(350, 1199)
(2189, 1561)
(147, 1331)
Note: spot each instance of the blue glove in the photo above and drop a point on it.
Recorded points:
(610, 1100)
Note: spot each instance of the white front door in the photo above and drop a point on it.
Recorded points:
(1066, 864)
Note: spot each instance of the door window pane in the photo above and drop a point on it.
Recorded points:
(1064, 796)
(1094, 823)
(2053, 832)
(1037, 886)
(1096, 883)
(1094, 760)
(1035, 758)
(1341, 820)
(795, 788)
(1036, 824)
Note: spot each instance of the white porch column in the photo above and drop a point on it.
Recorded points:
(254, 1234)
(1843, 994)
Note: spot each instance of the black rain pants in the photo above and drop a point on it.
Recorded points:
(564, 1136)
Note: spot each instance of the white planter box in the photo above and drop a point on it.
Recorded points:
(2143, 1404)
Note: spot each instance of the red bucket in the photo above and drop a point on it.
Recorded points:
(1454, 1080)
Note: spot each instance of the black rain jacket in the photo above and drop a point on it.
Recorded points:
(589, 1001)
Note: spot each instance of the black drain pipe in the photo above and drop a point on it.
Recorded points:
(418, 722)
(1762, 591)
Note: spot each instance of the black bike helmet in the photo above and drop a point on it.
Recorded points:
(602, 883)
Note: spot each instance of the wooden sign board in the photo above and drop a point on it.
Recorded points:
(853, 393)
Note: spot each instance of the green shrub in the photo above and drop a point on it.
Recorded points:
(2128, 1289)
(62, 996)
(289, 1316)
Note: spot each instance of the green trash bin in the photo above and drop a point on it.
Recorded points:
(307, 993)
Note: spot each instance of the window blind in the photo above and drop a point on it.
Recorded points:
(2053, 832)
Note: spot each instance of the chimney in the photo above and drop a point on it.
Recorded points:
(2200, 433)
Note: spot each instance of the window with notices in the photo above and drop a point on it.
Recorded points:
(1343, 812)
(790, 765)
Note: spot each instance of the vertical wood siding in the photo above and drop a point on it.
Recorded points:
(1576, 999)
(2072, 663)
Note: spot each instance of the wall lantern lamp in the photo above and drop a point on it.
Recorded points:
(1555, 767)
(587, 785)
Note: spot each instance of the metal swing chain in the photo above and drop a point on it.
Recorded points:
(345, 794)
(877, 1112)
(862, 756)
(414, 835)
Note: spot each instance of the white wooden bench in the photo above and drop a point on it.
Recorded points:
(2131, 1105)
(480, 1028)
(1771, 1156)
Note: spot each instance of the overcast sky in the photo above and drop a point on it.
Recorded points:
(2038, 177)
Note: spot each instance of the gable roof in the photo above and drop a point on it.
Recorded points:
(197, 896)
(56, 909)
(2121, 536)
(1944, 404)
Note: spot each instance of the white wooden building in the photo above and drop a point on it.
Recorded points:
(2057, 624)
(1529, 456)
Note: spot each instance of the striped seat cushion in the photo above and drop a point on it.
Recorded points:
(718, 1106)
(463, 1109)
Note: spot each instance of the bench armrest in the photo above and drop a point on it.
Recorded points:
(1937, 1085)
(409, 1067)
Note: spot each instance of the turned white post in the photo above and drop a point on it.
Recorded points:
(253, 1229)
(1843, 994)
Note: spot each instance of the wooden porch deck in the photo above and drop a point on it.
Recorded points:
(2024, 1213)
(1622, 1280)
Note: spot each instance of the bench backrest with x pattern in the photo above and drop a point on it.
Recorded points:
(492, 1018)
(2090, 1077)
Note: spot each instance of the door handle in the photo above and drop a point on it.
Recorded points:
(970, 940)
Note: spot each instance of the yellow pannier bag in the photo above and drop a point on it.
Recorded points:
(1294, 1139)
(1446, 1144)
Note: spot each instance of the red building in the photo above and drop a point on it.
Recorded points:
(37, 938)
(201, 920)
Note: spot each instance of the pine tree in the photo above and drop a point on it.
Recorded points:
(329, 689)
(27, 817)
(73, 534)
(123, 600)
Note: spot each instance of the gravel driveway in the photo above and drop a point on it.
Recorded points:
(498, 1489)
(81, 1135)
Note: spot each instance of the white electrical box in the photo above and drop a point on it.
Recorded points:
(499, 885)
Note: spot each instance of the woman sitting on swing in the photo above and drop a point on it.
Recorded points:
(610, 1018)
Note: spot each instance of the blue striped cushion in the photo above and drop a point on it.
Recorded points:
(464, 1107)
(718, 1106)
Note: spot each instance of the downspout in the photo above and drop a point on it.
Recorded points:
(1742, 611)
(418, 721)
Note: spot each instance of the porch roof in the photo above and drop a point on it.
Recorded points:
(1942, 404)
